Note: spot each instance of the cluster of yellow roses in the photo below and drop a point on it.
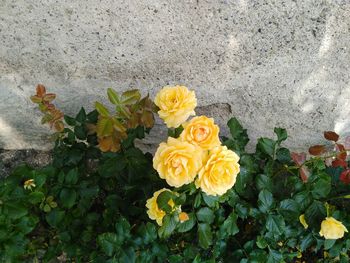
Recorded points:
(197, 151)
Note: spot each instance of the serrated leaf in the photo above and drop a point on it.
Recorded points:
(81, 116)
(317, 150)
(68, 197)
(187, 225)
(109, 243)
(130, 97)
(239, 135)
(230, 225)
(104, 127)
(265, 201)
(205, 235)
(267, 146)
(69, 120)
(205, 215)
(281, 134)
(113, 96)
(331, 136)
(102, 110)
(72, 177)
(168, 226)
(275, 224)
(54, 217)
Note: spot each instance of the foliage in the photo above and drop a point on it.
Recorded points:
(89, 205)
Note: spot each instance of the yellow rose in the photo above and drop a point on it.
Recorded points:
(175, 105)
(332, 228)
(177, 162)
(201, 131)
(154, 212)
(220, 171)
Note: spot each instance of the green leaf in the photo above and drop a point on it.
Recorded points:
(163, 200)
(274, 256)
(68, 197)
(122, 229)
(322, 187)
(289, 209)
(69, 120)
(261, 242)
(266, 146)
(187, 225)
(168, 226)
(304, 199)
(127, 255)
(205, 235)
(205, 215)
(80, 132)
(72, 177)
(210, 200)
(283, 155)
(15, 210)
(229, 226)
(55, 217)
(265, 201)
(36, 197)
(102, 110)
(275, 224)
(281, 135)
(27, 224)
(264, 182)
(109, 243)
(314, 214)
(239, 135)
(113, 96)
(328, 243)
(306, 241)
(39, 179)
(130, 97)
(197, 200)
(81, 116)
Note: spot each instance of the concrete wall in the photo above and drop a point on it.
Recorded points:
(270, 63)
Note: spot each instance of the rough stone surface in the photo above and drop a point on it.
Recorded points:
(10, 159)
(273, 63)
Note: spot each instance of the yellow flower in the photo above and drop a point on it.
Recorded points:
(183, 217)
(201, 131)
(303, 221)
(29, 184)
(220, 171)
(177, 162)
(175, 105)
(154, 212)
(332, 228)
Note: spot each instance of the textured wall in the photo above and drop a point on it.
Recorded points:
(270, 63)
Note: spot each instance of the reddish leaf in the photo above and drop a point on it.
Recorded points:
(304, 174)
(49, 97)
(331, 136)
(345, 176)
(341, 149)
(298, 158)
(317, 150)
(339, 163)
(40, 90)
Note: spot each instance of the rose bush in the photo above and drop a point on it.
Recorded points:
(200, 198)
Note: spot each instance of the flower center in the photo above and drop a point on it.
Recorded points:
(201, 134)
